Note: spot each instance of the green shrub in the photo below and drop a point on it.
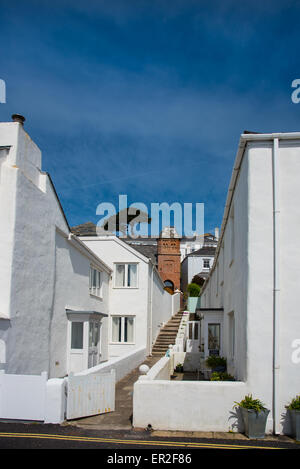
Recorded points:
(294, 404)
(252, 404)
(214, 360)
(221, 376)
(193, 289)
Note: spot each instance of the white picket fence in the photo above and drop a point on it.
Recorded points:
(90, 395)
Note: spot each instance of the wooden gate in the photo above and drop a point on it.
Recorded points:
(90, 394)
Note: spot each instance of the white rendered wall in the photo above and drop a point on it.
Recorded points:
(248, 282)
(72, 291)
(125, 301)
(30, 215)
(162, 308)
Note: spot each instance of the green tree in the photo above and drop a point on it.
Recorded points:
(193, 289)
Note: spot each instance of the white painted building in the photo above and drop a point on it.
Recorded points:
(190, 245)
(198, 263)
(255, 277)
(139, 305)
(54, 291)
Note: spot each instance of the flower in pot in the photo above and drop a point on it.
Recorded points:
(294, 410)
(254, 415)
(179, 368)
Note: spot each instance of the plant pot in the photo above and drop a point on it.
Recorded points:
(255, 423)
(295, 419)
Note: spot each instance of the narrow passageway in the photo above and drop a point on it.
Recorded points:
(121, 418)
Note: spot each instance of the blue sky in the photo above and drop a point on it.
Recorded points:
(147, 97)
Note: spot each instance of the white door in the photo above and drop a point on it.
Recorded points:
(94, 343)
(193, 339)
(213, 338)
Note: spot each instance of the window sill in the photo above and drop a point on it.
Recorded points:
(121, 343)
(125, 288)
(100, 298)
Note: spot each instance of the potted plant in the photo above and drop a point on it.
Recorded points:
(216, 363)
(294, 410)
(254, 415)
(179, 368)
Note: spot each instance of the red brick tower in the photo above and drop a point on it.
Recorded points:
(168, 250)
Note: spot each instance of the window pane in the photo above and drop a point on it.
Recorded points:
(77, 335)
(214, 336)
(97, 333)
(190, 330)
(120, 275)
(91, 332)
(128, 329)
(196, 328)
(132, 275)
(91, 277)
(116, 329)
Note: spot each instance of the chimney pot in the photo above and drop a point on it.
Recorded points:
(18, 118)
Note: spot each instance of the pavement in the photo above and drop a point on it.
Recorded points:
(121, 418)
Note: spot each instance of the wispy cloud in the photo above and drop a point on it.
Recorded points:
(146, 97)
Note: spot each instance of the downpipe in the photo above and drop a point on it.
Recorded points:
(276, 287)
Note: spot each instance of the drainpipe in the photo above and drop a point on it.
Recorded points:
(276, 287)
(151, 313)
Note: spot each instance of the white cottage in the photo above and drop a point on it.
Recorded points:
(54, 291)
(139, 304)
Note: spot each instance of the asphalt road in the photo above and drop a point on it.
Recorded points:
(121, 443)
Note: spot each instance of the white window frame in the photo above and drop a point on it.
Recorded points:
(204, 266)
(131, 316)
(94, 289)
(126, 264)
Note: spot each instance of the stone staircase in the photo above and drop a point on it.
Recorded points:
(167, 335)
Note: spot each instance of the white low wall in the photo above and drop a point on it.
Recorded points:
(123, 364)
(161, 370)
(208, 406)
(191, 361)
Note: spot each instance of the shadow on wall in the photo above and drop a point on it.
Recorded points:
(286, 423)
(236, 420)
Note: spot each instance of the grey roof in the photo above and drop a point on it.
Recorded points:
(148, 250)
(72, 311)
(204, 251)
